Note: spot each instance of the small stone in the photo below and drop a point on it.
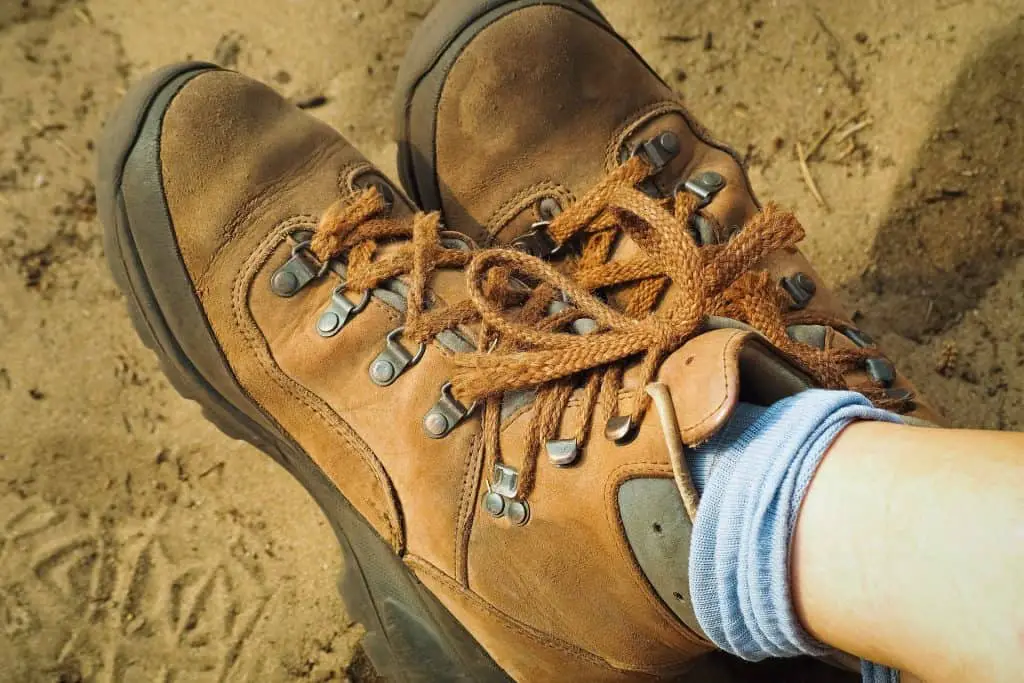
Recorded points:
(311, 101)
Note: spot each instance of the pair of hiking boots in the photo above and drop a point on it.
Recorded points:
(497, 435)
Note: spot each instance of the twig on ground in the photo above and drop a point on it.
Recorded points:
(852, 119)
(821, 141)
(806, 172)
(850, 149)
(853, 130)
(65, 147)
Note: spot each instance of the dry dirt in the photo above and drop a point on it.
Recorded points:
(139, 544)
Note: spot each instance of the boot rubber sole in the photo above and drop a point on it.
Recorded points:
(410, 636)
(434, 48)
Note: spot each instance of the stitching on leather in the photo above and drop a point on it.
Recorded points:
(638, 120)
(467, 507)
(515, 205)
(350, 172)
(728, 386)
(546, 640)
(249, 210)
(516, 414)
(330, 419)
(699, 130)
(255, 261)
(702, 133)
(616, 478)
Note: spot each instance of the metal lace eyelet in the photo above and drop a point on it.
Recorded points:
(704, 186)
(563, 452)
(298, 271)
(501, 499)
(881, 371)
(580, 326)
(395, 359)
(548, 208)
(446, 414)
(801, 288)
(859, 337)
(619, 429)
(538, 242)
(657, 151)
(369, 179)
(339, 311)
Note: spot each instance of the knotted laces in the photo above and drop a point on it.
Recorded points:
(521, 310)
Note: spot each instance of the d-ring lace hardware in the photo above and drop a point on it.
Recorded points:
(538, 242)
(339, 311)
(395, 359)
(446, 414)
(298, 271)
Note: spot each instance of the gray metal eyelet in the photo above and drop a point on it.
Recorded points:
(563, 452)
(801, 288)
(446, 414)
(372, 179)
(881, 371)
(501, 499)
(580, 326)
(538, 242)
(702, 230)
(339, 311)
(395, 359)
(548, 208)
(859, 337)
(657, 151)
(298, 271)
(704, 185)
(620, 429)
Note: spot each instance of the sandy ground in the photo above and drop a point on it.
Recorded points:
(139, 544)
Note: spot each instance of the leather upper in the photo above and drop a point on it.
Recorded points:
(244, 172)
(543, 102)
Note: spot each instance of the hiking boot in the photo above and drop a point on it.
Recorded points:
(525, 122)
(478, 429)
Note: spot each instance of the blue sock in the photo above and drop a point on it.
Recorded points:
(753, 476)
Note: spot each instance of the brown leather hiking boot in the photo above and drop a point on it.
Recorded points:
(499, 453)
(525, 121)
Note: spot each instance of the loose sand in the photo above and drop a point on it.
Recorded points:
(139, 544)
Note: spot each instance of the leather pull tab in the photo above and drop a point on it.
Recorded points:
(706, 373)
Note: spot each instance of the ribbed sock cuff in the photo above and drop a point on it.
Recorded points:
(753, 476)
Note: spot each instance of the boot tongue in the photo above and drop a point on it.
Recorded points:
(713, 372)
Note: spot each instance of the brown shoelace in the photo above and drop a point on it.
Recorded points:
(598, 216)
(525, 344)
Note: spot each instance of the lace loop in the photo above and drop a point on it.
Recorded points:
(521, 308)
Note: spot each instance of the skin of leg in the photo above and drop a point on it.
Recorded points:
(909, 551)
